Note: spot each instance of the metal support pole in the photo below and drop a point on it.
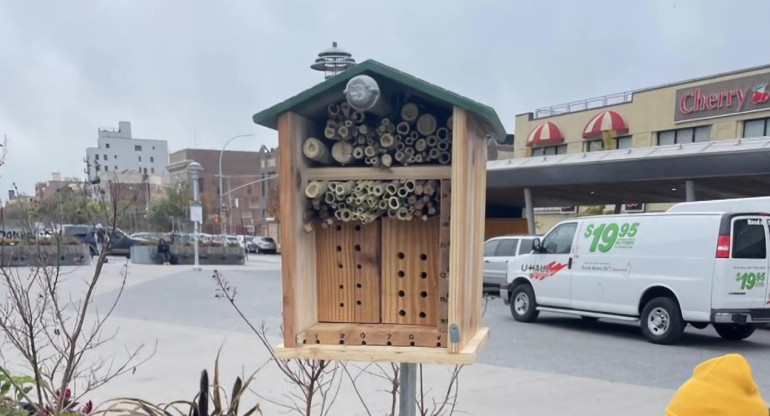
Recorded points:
(689, 189)
(529, 210)
(407, 393)
(195, 168)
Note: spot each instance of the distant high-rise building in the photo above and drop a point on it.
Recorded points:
(118, 152)
(333, 61)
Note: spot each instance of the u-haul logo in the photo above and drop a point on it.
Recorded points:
(542, 272)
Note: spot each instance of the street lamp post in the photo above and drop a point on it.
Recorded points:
(221, 191)
(196, 211)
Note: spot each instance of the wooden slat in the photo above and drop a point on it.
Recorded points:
(410, 271)
(348, 272)
(466, 227)
(369, 334)
(444, 240)
(298, 246)
(374, 353)
(398, 172)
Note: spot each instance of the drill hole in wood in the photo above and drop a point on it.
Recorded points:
(411, 344)
(342, 305)
(358, 228)
(358, 285)
(401, 255)
(402, 312)
(401, 273)
(357, 247)
(424, 294)
(423, 257)
(358, 266)
(424, 275)
(422, 315)
(342, 286)
(338, 227)
(401, 293)
(358, 302)
(363, 342)
(339, 248)
(339, 265)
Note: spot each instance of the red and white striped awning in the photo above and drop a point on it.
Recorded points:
(546, 134)
(604, 122)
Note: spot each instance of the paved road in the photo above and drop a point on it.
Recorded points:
(556, 344)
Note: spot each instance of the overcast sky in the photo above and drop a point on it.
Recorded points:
(193, 72)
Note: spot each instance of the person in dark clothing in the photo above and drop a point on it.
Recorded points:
(164, 251)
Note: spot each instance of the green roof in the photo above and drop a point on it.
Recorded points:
(314, 100)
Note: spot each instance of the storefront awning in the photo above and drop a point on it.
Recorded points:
(603, 123)
(546, 134)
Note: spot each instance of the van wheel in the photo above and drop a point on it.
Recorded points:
(699, 325)
(662, 321)
(734, 332)
(589, 318)
(523, 306)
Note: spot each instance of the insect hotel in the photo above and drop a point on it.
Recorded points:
(382, 189)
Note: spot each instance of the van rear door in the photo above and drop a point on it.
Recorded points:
(741, 276)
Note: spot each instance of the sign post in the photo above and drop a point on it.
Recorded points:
(196, 210)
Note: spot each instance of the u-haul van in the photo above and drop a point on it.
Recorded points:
(663, 270)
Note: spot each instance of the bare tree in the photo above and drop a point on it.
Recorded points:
(54, 329)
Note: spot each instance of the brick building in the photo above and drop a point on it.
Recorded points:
(245, 182)
(47, 189)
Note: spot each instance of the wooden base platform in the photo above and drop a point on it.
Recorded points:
(370, 353)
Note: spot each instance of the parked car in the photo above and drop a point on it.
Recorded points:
(120, 242)
(662, 270)
(262, 245)
(498, 251)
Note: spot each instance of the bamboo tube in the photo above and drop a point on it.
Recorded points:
(403, 192)
(391, 188)
(409, 141)
(345, 109)
(400, 156)
(357, 116)
(348, 123)
(381, 129)
(434, 153)
(343, 188)
(445, 158)
(394, 202)
(402, 213)
(363, 129)
(431, 141)
(420, 145)
(382, 204)
(426, 124)
(354, 133)
(370, 151)
(443, 146)
(409, 112)
(387, 140)
(358, 152)
(343, 132)
(315, 189)
(400, 146)
(361, 140)
(375, 161)
(402, 128)
(316, 203)
(368, 160)
(410, 185)
(432, 211)
(412, 199)
(442, 134)
(333, 110)
(414, 135)
(419, 158)
(377, 189)
(331, 133)
(450, 123)
(387, 160)
(411, 160)
(342, 152)
(409, 151)
(369, 141)
(316, 151)
(345, 215)
(330, 198)
(418, 188)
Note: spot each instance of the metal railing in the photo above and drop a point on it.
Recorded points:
(597, 102)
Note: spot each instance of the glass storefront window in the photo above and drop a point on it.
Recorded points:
(684, 136)
(550, 150)
(624, 142)
(755, 128)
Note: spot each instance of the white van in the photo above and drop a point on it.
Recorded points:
(665, 270)
(759, 204)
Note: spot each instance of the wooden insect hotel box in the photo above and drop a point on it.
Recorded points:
(382, 181)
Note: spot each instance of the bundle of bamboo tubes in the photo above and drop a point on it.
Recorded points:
(351, 137)
(366, 201)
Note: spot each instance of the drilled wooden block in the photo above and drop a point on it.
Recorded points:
(348, 273)
(369, 334)
(444, 238)
(410, 271)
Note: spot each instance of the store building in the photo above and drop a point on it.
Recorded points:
(638, 151)
(118, 151)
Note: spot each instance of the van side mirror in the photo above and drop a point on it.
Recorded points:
(536, 246)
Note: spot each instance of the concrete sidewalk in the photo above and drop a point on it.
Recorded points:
(184, 351)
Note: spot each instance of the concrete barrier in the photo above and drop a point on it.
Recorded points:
(42, 255)
(185, 255)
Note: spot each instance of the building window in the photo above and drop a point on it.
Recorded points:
(756, 128)
(248, 190)
(107, 145)
(200, 185)
(264, 213)
(137, 148)
(106, 168)
(105, 157)
(96, 157)
(114, 156)
(550, 150)
(98, 168)
(152, 159)
(684, 136)
(152, 170)
(153, 148)
(140, 158)
(622, 142)
(264, 184)
(116, 168)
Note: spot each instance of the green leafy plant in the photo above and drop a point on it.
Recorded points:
(13, 387)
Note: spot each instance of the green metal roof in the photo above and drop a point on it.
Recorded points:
(315, 99)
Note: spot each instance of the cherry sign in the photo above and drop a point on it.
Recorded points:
(723, 98)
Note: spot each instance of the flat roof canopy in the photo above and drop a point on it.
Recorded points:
(720, 169)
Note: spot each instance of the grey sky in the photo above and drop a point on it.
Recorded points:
(189, 70)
